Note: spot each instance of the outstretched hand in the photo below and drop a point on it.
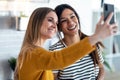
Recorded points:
(103, 29)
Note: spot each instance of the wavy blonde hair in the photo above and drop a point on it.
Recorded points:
(32, 34)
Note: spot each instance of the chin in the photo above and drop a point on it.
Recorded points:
(50, 36)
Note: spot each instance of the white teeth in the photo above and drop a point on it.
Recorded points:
(52, 30)
(71, 28)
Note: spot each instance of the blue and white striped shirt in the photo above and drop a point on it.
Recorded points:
(82, 69)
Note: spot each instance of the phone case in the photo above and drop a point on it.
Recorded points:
(108, 8)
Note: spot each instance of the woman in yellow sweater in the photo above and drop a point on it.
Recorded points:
(36, 63)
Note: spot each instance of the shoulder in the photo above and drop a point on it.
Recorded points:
(32, 49)
(56, 46)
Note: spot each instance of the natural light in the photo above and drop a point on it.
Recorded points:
(96, 4)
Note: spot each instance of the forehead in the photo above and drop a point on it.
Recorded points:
(67, 12)
(53, 15)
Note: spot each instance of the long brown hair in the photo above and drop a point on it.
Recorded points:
(59, 9)
(34, 25)
(32, 34)
(94, 55)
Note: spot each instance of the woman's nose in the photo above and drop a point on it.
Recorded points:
(54, 25)
(70, 22)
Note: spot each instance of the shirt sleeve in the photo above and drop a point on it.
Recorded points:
(57, 46)
(52, 60)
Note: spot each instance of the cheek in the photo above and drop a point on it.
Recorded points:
(76, 20)
(64, 25)
(63, 29)
(56, 30)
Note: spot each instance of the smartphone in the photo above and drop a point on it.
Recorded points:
(107, 9)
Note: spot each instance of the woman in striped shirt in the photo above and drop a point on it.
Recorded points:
(88, 68)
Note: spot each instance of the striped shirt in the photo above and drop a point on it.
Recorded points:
(82, 69)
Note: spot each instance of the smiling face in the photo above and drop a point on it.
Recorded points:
(49, 25)
(69, 22)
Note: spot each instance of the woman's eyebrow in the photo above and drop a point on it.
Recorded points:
(50, 17)
(64, 17)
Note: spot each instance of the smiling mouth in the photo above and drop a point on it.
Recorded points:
(72, 28)
(51, 30)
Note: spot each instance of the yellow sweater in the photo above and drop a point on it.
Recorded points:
(38, 63)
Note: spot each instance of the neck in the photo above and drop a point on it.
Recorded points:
(40, 42)
(69, 40)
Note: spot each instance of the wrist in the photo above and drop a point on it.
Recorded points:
(93, 39)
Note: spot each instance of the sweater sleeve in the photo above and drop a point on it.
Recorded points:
(46, 60)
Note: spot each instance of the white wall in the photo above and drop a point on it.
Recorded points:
(8, 46)
(10, 43)
(83, 7)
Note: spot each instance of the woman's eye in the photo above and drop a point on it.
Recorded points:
(50, 20)
(63, 21)
(72, 16)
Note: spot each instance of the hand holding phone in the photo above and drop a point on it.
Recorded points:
(108, 8)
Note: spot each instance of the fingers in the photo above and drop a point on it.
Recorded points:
(101, 19)
(109, 18)
(114, 28)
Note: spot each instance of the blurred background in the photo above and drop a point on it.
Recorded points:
(14, 16)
